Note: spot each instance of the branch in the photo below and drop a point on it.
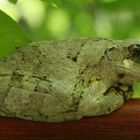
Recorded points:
(122, 124)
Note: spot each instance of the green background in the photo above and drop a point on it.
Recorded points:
(64, 19)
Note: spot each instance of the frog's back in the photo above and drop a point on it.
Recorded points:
(53, 71)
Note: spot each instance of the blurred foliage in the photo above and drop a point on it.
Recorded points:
(13, 1)
(62, 19)
(12, 35)
(65, 19)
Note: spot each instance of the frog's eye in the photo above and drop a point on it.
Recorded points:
(134, 52)
(114, 53)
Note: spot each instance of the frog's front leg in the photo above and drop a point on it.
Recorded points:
(106, 102)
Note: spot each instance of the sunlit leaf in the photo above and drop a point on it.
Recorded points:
(12, 35)
(13, 1)
(53, 3)
(60, 2)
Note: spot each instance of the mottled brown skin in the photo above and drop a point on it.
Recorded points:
(66, 80)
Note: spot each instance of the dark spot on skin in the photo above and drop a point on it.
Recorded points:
(23, 57)
(82, 44)
(130, 87)
(97, 99)
(101, 59)
(44, 77)
(98, 78)
(74, 59)
(68, 55)
(109, 109)
(35, 89)
(121, 75)
(3, 59)
(89, 81)
(81, 71)
(118, 89)
(17, 47)
(107, 91)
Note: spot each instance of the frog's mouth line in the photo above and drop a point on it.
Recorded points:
(129, 66)
(125, 90)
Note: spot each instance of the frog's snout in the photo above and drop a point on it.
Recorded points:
(134, 52)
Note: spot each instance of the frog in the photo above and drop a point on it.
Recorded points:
(64, 80)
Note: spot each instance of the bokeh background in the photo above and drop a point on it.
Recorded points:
(66, 19)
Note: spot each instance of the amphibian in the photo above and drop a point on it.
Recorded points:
(66, 80)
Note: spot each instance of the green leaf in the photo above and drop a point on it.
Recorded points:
(59, 2)
(82, 2)
(53, 3)
(13, 1)
(12, 35)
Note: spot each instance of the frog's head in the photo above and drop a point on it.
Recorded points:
(126, 57)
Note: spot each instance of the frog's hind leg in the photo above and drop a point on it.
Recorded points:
(105, 103)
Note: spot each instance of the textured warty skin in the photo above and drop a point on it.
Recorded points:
(67, 80)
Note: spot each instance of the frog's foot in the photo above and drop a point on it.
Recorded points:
(112, 99)
(125, 90)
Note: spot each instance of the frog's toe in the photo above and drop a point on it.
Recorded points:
(106, 103)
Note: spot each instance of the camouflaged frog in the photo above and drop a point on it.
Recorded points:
(67, 80)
